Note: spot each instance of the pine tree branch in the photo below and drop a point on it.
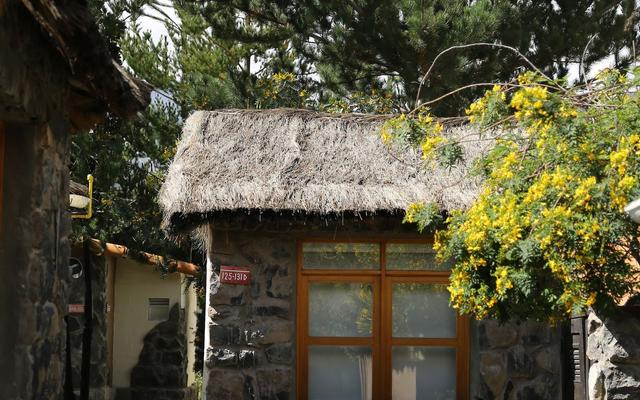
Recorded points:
(479, 44)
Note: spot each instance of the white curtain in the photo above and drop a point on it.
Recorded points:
(403, 384)
(366, 377)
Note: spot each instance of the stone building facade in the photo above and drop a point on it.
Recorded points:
(344, 300)
(252, 330)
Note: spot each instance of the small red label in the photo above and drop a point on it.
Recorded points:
(76, 308)
(235, 275)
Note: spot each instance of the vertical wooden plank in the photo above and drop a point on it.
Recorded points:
(2, 140)
(578, 363)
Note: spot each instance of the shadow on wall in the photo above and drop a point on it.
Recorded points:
(613, 348)
(161, 370)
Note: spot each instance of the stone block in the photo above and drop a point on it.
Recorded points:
(222, 312)
(232, 295)
(499, 335)
(535, 333)
(280, 353)
(614, 339)
(279, 281)
(274, 331)
(221, 357)
(225, 384)
(493, 369)
(542, 387)
(224, 334)
(159, 394)
(271, 311)
(610, 381)
(247, 358)
(274, 383)
(519, 362)
(547, 359)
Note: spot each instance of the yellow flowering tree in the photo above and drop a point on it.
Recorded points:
(547, 235)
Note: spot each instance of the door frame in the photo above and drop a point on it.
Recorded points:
(381, 341)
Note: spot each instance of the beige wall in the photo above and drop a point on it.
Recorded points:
(135, 283)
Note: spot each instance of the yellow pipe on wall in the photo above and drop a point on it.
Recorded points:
(89, 212)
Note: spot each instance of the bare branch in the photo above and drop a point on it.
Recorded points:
(479, 44)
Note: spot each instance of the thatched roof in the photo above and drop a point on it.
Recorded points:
(301, 161)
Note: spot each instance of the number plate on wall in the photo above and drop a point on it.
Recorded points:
(235, 275)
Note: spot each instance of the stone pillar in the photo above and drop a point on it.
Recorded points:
(249, 338)
(613, 348)
(34, 254)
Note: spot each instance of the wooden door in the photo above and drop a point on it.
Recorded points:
(374, 323)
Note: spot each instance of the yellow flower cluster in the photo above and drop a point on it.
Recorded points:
(507, 168)
(582, 195)
(622, 184)
(429, 144)
(390, 127)
(529, 102)
(478, 108)
(284, 77)
(411, 212)
(503, 282)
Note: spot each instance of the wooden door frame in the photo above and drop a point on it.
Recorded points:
(381, 340)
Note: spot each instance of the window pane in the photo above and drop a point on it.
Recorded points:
(413, 256)
(341, 255)
(340, 309)
(421, 310)
(423, 373)
(340, 373)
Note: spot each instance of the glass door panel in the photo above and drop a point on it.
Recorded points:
(413, 257)
(343, 256)
(340, 373)
(339, 309)
(422, 372)
(421, 310)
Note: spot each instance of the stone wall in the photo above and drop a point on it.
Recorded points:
(33, 232)
(34, 253)
(250, 352)
(613, 349)
(515, 361)
(98, 377)
(250, 347)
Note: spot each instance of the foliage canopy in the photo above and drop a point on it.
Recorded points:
(547, 235)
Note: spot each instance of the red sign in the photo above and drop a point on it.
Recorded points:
(235, 275)
(76, 308)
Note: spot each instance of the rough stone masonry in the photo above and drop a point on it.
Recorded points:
(613, 348)
(249, 351)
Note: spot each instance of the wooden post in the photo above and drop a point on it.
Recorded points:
(1, 168)
(579, 368)
(111, 263)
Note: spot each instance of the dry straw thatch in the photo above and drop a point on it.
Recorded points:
(302, 161)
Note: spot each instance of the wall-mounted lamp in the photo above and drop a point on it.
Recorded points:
(633, 210)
